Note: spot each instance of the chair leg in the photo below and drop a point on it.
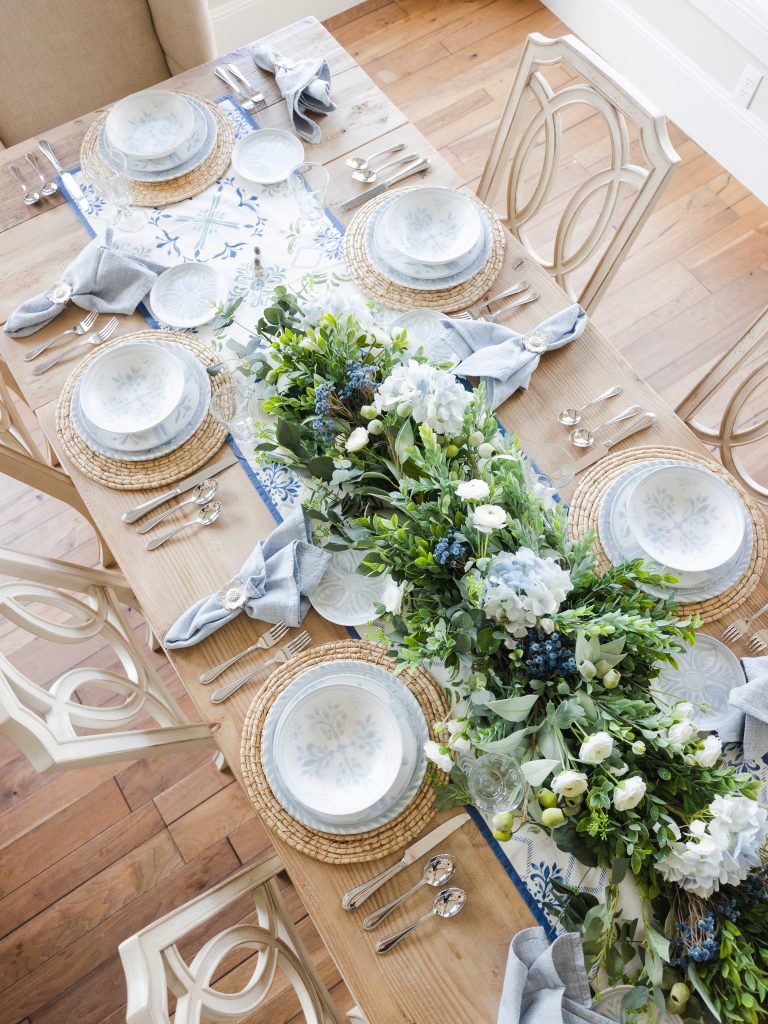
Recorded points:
(356, 1016)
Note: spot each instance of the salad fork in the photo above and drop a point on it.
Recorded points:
(247, 104)
(296, 646)
(759, 641)
(529, 295)
(251, 93)
(85, 325)
(265, 641)
(97, 338)
(739, 627)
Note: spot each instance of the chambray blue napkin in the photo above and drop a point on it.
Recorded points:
(747, 722)
(276, 581)
(306, 87)
(547, 984)
(100, 278)
(505, 359)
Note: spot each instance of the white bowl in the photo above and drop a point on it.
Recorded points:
(185, 296)
(686, 518)
(149, 125)
(188, 148)
(132, 388)
(339, 749)
(267, 156)
(434, 225)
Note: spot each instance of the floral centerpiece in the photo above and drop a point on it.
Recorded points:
(553, 661)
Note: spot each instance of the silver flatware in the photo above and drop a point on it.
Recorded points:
(759, 642)
(381, 188)
(265, 641)
(571, 416)
(736, 629)
(581, 437)
(30, 198)
(358, 895)
(514, 289)
(77, 194)
(530, 296)
(251, 92)
(207, 515)
(286, 653)
(234, 87)
(201, 495)
(601, 448)
(47, 188)
(97, 338)
(448, 903)
(82, 328)
(437, 871)
(135, 513)
(362, 163)
(369, 176)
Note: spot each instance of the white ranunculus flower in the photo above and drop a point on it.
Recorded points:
(357, 439)
(392, 598)
(638, 747)
(684, 710)
(619, 770)
(596, 748)
(473, 490)
(435, 754)
(431, 396)
(708, 754)
(629, 793)
(681, 732)
(569, 783)
(487, 518)
(462, 744)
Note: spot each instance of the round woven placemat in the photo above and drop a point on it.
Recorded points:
(333, 849)
(135, 476)
(584, 512)
(162, 193)
(448, 300)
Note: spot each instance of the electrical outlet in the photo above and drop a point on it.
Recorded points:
(747, 85)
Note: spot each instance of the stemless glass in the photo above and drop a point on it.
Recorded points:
(115, 186)
(551, 467)
(234, 406)
(496, 783)
(309, 185)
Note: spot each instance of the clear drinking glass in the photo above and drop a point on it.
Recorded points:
(309, 186)
(551, 466)
(496, 783)
(234, 406)
(115, 186)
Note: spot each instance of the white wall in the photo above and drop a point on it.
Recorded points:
(236, 22)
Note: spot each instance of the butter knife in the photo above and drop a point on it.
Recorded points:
(186, 485)
(360, 894)
(601, 448)
(377, 190)
(78, 196)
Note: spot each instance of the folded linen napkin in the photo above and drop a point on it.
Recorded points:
(99, 278)
(306, 86)
(547, 984)
(747, 722)
(505, 359)
(273, 585)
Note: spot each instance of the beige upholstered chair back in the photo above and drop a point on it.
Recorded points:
(63, 58)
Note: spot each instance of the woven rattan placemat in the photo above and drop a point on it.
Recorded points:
(134, 476)
(162, 193)
(584, 513)
(448, 300)
(333, 849)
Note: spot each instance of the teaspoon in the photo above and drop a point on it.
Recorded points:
(571, 417)
(200, 495)
(368, 175)
(437, 871)
(30, 198)
(208, 514)
(583, 438)
(49, 188)
(448, 903)
(359, 163)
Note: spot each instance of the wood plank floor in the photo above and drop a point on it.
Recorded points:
(89, 856)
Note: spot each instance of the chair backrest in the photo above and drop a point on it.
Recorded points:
(61, 59)
(729, 392)
(154, 966)
(558, 79)
(88, 715)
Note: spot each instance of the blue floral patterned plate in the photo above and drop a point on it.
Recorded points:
(705, 674)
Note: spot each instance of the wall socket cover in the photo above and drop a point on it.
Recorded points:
(747, 85)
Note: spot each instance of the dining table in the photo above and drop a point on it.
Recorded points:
(449, 972)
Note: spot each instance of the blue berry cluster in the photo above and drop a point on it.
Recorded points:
(323, 424)
(548, 656)
(699, 945)
(754, 888)
(359, 378)
(448, 551)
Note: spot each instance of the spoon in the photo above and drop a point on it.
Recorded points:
(359, 163)
(208, 514)
(49, 188)
(368, 175)
(571, 417)
(448, 903)
(30, 198)
(584, 438)
(437, 871)
(200, 495)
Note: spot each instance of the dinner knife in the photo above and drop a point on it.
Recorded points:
(186, 485)
(377, 190)
(601, 448)
(360, 894)
(78, 196)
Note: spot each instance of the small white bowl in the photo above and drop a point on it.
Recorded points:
(149, 125)
(434, 225)
(188, 148)
(267, 156)
(186, 296)
(132, 388)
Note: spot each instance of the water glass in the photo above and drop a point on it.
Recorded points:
(234, 406)
(115, 186)
(496, 783)
(551, 467)
(309, 186)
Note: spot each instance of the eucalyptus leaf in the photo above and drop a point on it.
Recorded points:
(535, 772)
(513, 709)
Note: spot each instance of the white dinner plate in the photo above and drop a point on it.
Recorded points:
(706, 673)
(267, 156)
(343, 595)
(186, 295)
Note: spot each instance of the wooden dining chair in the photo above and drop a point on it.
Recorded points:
(605, 202)
(154, 967)
(89, 715)
(736, 410)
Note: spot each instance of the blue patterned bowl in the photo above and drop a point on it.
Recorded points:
(434, 225)
(149, 125)
(188, 148)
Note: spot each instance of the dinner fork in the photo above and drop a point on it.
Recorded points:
(84, 326)
(222, 73)
(251, 92)
(296, 646)
(529, 296)
(97, 338)
(759, 641)
(265, 641)
(739, 627)
(514, 289)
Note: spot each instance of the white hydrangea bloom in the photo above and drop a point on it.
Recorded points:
(435, 397)
(521, 588)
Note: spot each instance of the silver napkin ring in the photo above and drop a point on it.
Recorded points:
(535, 341)
(233, 595)
(60, 293)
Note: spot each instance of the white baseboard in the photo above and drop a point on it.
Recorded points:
(683, 90)
(237, 22)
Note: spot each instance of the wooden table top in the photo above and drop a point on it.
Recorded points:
(453, 970)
